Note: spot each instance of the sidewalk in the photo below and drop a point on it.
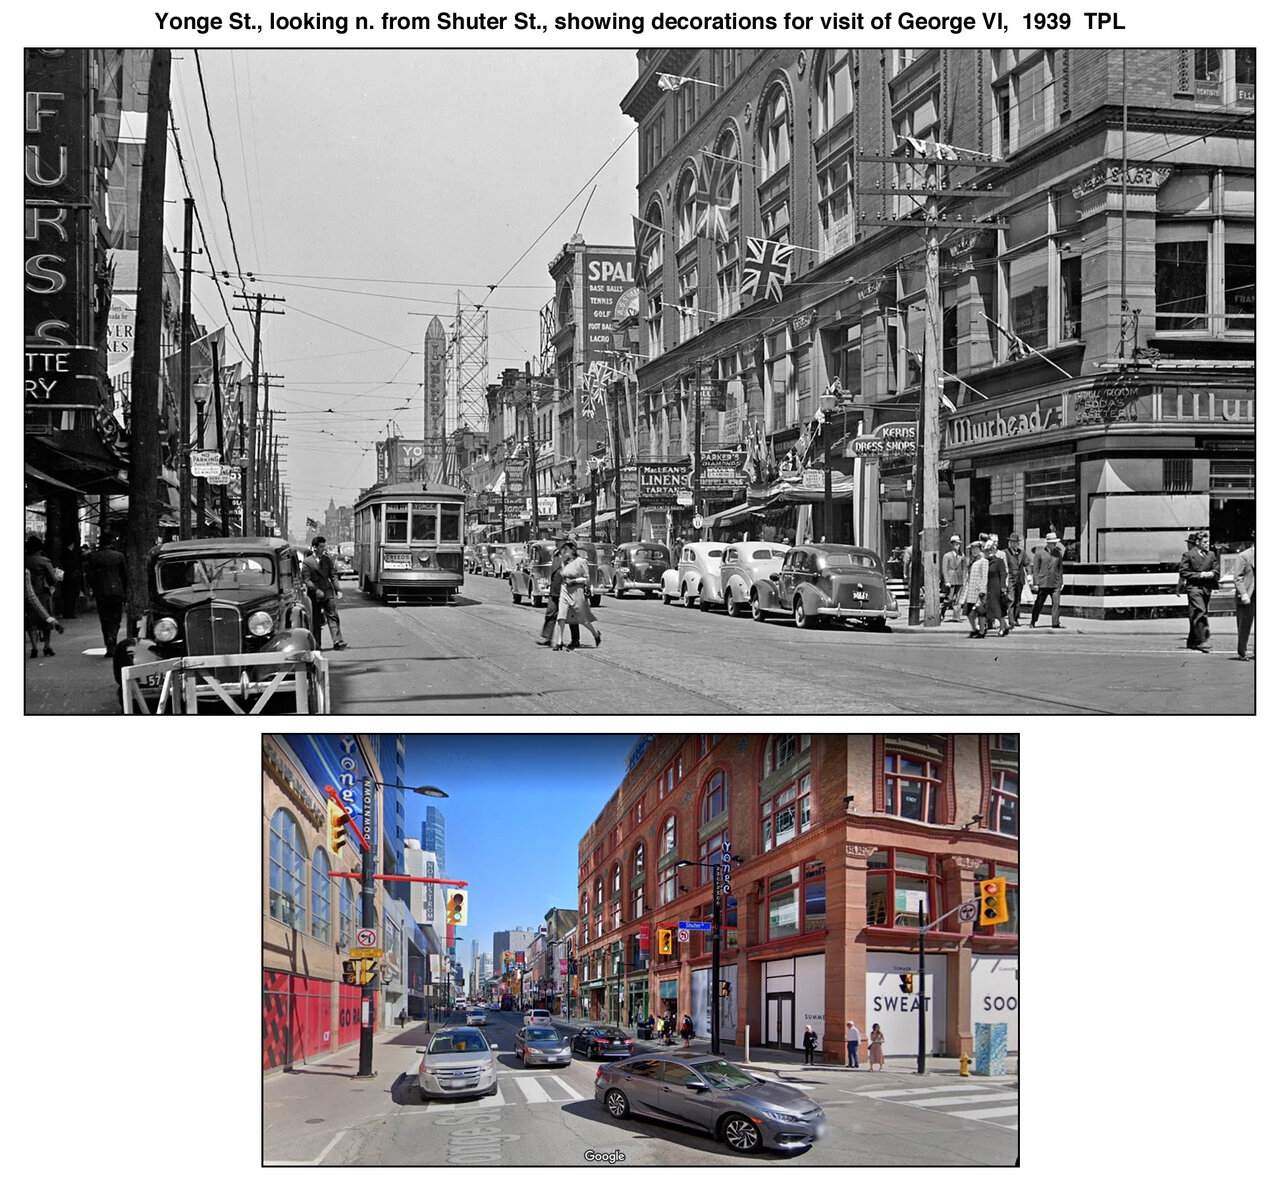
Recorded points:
(76, 680)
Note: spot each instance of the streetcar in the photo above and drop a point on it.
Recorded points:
(409, 542)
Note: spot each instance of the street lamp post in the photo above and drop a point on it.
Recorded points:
(716, 869)
(200, 392)
(369, 912)
(828, 403)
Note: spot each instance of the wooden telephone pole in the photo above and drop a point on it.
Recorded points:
(249, 525)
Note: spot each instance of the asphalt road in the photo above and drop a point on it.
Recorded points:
(478, 656)
(543, 1117)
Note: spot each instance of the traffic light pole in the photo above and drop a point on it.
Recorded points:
(920, 1013)
(369, 920)
(715, 961)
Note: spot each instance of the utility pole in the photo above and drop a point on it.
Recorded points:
(533, 452)
(697, 451)
(249, 523)
(144, 440)
(184, 395)
(222, 452)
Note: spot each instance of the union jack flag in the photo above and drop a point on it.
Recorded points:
(767, 264)
(714, 196)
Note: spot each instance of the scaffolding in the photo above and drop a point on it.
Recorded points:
(465, 405)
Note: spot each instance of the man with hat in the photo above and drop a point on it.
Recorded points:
(1198, 573)
(1244, 599)
(1019, 562)
(1046, 576)
(553, 603)
(953, 571)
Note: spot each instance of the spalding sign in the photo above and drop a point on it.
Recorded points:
(611, 270)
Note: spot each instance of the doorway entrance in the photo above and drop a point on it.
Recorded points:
(780, 1027)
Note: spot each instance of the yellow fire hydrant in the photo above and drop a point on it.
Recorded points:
(964, 1066)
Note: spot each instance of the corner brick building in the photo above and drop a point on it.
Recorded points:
(842, 838)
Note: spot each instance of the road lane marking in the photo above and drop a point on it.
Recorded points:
(957, 1098)
(923, 1090)
(494, 1099)
(531, 1090)
(992, 1112)
(306, 1163)
(568, 1088)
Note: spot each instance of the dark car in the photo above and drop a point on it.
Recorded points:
(816, 582)
(221, 596)
(531, 575)
(639, 565)
(712, 1095)
(601, 1040)
(598, 571)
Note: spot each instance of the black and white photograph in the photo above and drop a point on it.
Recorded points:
(640, 381)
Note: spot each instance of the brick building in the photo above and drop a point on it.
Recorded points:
(842, 838)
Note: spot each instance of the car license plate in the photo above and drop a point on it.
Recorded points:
(155, 680)
(860, 596)
(821, 1130)
(454, 1085)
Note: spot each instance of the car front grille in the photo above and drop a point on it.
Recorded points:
(213, 630)
(463, 1073)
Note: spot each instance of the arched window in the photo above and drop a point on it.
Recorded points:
(599, 891)
(651, 263)
(346, 912)
(668, 835)
(686, 208)
(775, 138)
(727, 250)
(566, 305)
(715, 798)
(286, 883)
(617, 878)
(321, 923)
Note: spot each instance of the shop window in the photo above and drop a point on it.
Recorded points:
(321, 925)
(912, 787)
(780, 907)
(815, 896)
(1049, 500)
(286, 885)
(984, 872)
(1002, 810)
(786, 815)
(897, 884)
(1069, 277)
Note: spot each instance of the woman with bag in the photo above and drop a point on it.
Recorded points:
(686, 1029)
(875, 1054)
(810, 1043)
(975, 591)
(574, 607)
(997, 595)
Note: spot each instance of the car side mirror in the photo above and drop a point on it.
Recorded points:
(696, 1086)
(422, 1050)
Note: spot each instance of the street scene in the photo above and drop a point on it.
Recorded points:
(678, 984)
(883, 353)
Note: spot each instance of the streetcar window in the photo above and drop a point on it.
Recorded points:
(424, 522)
(397, 522)
(450, 524)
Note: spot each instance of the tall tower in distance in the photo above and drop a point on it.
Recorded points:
(433, 836)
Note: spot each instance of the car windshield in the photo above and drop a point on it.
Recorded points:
(610, 1032)
(227, 573)
(540, 1033)
(461, 1040)
(650, 555)
(724, 1075)
(477, 1011)
(846, 561)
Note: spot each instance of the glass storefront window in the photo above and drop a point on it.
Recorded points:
(894, 895)
(1182, 284)
(815, 896)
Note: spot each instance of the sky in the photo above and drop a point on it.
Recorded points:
(517, 807)
(366, 188)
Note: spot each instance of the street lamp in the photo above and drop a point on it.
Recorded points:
(200, 392)
(716, 868)
(828, 403)
(369, 913)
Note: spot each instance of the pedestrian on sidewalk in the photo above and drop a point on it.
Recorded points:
(1244, 600)
(553, 608)
(975, 591)
(1046, 577)
(851, 1038)
(322, 586)
(108, 578)
(875, 1049)
(574, 607)
(810, 1043)
(953, 571)
(1019, 562)
(38, 620)
(72, 580)
(1198, 573)
(44, 580)
(997, 590)
(686, 1029)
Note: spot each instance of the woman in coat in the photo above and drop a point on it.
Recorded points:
(810, 1043)
(975, 590)
(997, 592)
(574, 607)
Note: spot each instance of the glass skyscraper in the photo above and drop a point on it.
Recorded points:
(433, 836)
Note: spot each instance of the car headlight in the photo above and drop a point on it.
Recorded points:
(260, 623)
(543, 585)
(166, 630)
(782, 1117)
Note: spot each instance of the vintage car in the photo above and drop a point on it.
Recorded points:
(506, 557)
(745, 563)
(484, 558)
(468, 559)
(639, 565)
(697, 578)
(221, 596)
(531, 577)
(817, 582)
(599, 568)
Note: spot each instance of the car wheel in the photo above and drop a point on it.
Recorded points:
(666, 599)
(740, 1133)
(703, 604)
(617, 590)
(757, 612)
(732, 607)
(535, 601)
(595, 600)
(648, 593)
(802, 619)
(516, 597)
(615, 1102)
(591, 1053)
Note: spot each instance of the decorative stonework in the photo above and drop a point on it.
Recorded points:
(863, 851)
(968, 863)
(1148, 177)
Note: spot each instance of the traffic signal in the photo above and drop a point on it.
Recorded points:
(907, 983)
(724, 987)
(337, 827)
(664, 941)
(455, 909)
(992, 907)
(349, 971)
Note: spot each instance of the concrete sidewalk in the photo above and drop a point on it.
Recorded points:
(76, 680)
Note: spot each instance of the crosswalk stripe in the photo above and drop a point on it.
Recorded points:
(568, 1089)
(531, 1090)
(924, 1090)
(989, 1113)
(952, 1099)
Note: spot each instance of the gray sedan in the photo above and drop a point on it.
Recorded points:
(712, 1095)
(536, 1044)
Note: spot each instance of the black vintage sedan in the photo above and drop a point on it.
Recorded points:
(826, 582)
(639, 565)
(601, 1040)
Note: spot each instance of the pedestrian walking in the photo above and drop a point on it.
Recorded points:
(875, 1049)
(906, 567)
(851, 1038)
(1019, 562)
(1198, 573)
(953, 571)
(1244, 600)
(108, 578)
(322, 586)
(975, 591)
(810, 1043)
(574, 607)
(72, 580)
(686, 1029)
(1046, 577)
(44, 580)
(553, 608)
(997, 591)
(39, 622)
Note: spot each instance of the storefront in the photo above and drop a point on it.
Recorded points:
(701, 1002)
(792, 994)
(668, 996)
(993, 994)
(897, 1011)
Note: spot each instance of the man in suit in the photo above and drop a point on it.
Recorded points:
(1046, 577)
(1198, 573)
(1244, 601)
(322, 585)
(553, 607)
(1019, 563)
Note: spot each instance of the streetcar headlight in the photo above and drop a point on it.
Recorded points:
(166, 630)
(260, 623)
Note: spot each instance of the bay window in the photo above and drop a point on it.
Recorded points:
(897, 884)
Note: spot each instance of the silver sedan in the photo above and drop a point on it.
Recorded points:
(538, 1045)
